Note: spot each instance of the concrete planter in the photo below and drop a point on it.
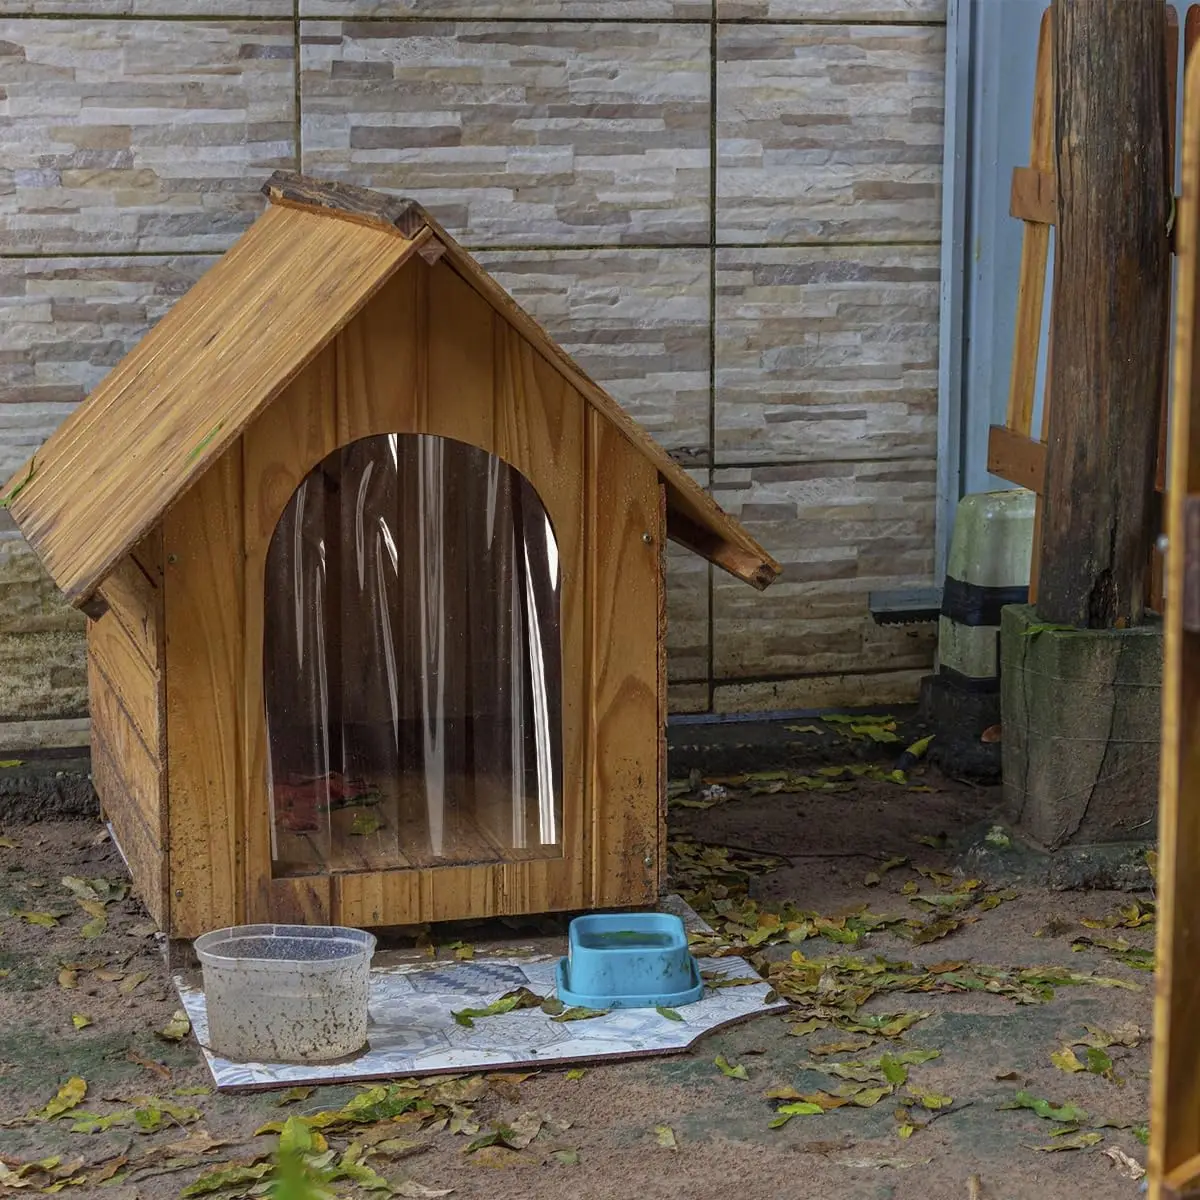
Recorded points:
(1080, 711)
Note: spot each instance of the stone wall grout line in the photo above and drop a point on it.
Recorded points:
(710, 664)
(410, 19)
(513, 248)
(298, 130)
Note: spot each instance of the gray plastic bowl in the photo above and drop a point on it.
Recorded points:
(286, 993)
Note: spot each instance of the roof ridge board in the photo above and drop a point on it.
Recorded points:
(347, 201)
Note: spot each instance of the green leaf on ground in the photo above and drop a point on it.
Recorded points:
(222, 1177)
(66, 1098)
(576, 1073)
(930, 1100)
(177, 1028)
(520, 998)
(580, 1012)
(80, 1020)
(1044, 1108)
(799, 1108)
(669, 1013)
(1077, 1141)
(729, 1070)
(666, 1137)
(48, 920)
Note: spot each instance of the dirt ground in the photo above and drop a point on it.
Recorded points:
(992, 1044)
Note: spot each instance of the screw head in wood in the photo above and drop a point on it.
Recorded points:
(172, 558)
(648, 860)
(1162, 542)
(647, 538)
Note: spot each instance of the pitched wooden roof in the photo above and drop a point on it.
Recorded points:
(177, 401)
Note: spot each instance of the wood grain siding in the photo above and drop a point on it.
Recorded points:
(147, 858)
(137, 605)
(203, 597)
(126, 702)
(625, 538)
(137, 684)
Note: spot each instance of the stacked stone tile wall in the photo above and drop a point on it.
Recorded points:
(728, 210)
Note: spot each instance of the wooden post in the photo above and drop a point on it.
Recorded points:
(1111, 310)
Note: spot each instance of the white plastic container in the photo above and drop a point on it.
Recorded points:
(286, 993)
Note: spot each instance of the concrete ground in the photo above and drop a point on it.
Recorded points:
(807, 858)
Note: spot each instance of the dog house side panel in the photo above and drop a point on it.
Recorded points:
(126, 701)
(203, 619)
(624, 536)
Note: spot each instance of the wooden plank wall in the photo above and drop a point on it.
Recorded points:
(202, 544)
(427, 355)
(127, 701)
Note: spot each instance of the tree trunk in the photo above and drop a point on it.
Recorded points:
(1110, 317)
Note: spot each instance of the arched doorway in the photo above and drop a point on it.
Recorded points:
(412, 662)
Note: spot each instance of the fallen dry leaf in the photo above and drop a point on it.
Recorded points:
(1077, 1141)
(132, 981)
(1125, 1164)
(140, 1060)
(177, 1028)
(1066, 1060)
(500, 1156)
(666, 1137)
(729, 1070)
(67, 1097)
(48, 920)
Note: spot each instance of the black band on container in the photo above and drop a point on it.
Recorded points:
(974, 604)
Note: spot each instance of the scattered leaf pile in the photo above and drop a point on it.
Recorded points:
(864, 1084)
(714, 880)
(360, 1143)
(1074, 1128)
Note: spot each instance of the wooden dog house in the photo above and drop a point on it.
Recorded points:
(374, 579)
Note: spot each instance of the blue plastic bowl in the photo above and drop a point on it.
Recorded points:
(628, 960)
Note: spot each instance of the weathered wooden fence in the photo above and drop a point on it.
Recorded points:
(1014, 454)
